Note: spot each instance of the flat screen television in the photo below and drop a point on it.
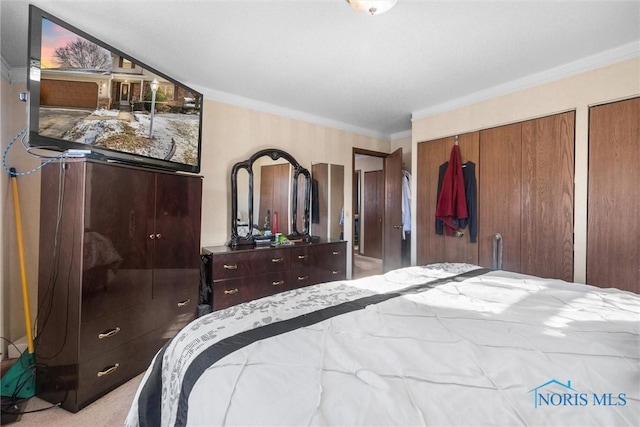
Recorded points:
(87, 95)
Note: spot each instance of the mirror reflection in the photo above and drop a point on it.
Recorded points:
(327, 200)
(270, 195)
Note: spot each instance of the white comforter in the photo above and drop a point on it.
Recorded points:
(496, 349)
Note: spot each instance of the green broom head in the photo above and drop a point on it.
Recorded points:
(20, 380)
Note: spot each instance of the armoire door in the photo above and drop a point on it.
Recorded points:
(175, 232)
(500, 195)
(117, 260)
(613, 227)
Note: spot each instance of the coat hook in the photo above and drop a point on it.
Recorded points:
(456, 139)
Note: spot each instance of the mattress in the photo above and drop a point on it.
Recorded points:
(442, 344)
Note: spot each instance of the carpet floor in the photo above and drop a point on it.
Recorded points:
(109, 410)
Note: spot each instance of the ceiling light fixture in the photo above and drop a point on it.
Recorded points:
(373, 7)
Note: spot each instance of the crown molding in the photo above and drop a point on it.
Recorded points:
(621, 53)
(5, 70)
(239, 101)
(400, 135)
(13, 74)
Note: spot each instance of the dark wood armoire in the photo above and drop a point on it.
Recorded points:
(119, 273)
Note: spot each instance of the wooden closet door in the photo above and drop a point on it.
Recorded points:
(433, 247)
(547, 196)
(460, 249)
(373, 210)
(500, 194)
(613, 228)
(429, 245)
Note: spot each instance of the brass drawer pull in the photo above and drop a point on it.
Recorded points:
(108, 371)
(336, 252)
(184, 303)
(278, 283)
(303, 256)
(301, 278)
(109, 333)
(231, 291)
(231, 266)
(277, 259)
(336, 271)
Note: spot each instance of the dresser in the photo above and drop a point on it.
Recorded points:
(241, 274)
(119, 273)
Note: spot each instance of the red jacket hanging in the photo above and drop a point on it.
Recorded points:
(452, 202)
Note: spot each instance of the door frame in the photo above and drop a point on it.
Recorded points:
(386, 224)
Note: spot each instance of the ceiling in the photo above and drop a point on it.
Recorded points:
(323, 62)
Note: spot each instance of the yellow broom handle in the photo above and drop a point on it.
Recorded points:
(23, 271)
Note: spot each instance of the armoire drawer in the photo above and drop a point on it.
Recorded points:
(107, 371)
(176, 308)
(99, 336)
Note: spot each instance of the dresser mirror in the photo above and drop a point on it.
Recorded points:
(270, 193)
(327, 200)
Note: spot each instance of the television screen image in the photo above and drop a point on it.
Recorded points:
(85, 94)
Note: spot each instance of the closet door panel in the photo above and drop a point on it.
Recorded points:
(460, 249)
(429, 245)
(547, 196)
(500, 194)
(613, 247)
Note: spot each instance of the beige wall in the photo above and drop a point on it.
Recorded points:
(405, 144)
(13, 120)
(579, 92)
(230, 134)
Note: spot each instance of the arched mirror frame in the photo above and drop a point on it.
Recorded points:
(274, 154)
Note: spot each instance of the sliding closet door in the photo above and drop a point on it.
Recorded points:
(429, 245)
(547, 196)
(460, 249)
(500, 194)
(613, 228)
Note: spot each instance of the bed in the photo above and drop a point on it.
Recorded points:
(442, 344)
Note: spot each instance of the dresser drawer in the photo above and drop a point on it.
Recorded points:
(241, 264)
(306, 277)
(332, 260)
(302, 257)
(332, 275)
(334, 256)
(235, 291)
